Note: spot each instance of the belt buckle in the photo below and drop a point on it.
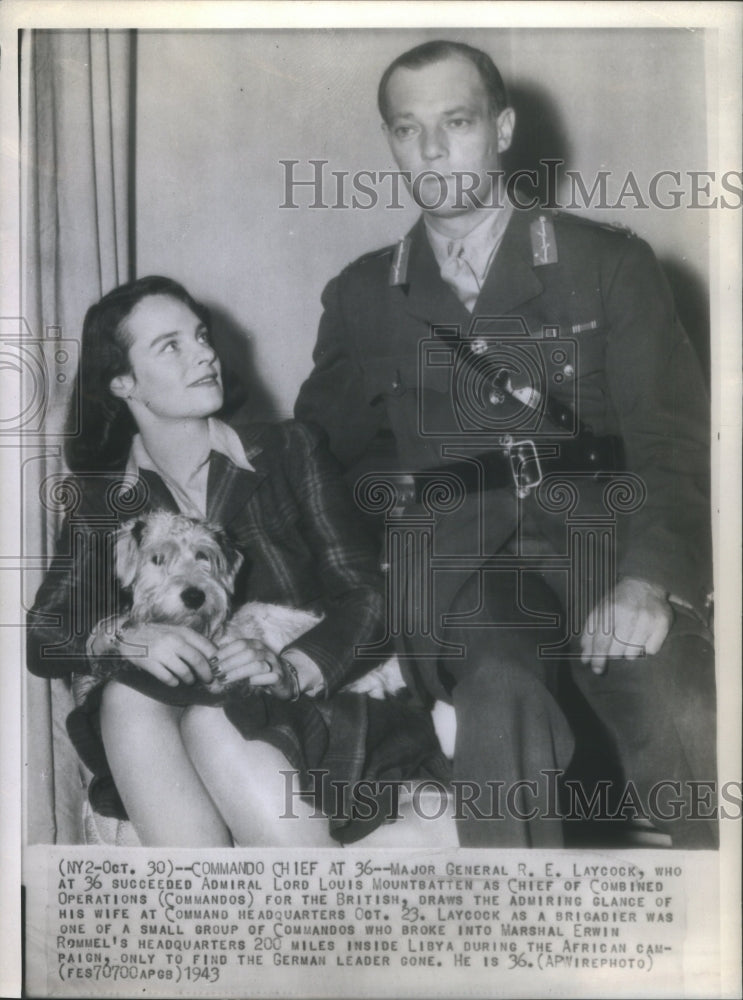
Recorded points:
(521, 454)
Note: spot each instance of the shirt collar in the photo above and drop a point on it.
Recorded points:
(479, 245)
(222, 439)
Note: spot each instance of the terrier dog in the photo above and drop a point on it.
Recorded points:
(182, 571)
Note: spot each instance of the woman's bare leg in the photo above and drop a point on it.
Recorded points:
(426, 820)
(163, 794)
(244, 779)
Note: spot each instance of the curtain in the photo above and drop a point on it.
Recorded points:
(78, 133)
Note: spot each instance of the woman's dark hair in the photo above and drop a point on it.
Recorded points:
(433, 52)
(106, 426)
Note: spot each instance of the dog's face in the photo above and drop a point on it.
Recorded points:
(180, 570)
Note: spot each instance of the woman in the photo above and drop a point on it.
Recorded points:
(190, 768)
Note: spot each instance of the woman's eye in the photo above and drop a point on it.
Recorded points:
(158, 559)
(201, 556)
(203, 337)
(169, 346)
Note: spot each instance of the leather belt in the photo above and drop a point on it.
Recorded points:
(522, 464)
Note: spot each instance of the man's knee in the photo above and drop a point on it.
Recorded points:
(499, 680)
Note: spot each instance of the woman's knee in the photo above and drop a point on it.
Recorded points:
(127, 714)
(119, 697)
(198, 722)
(216, 746)
(213, 744)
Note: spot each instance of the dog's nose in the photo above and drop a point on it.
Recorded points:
(192, 597)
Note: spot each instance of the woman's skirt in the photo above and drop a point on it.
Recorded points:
(351, 752)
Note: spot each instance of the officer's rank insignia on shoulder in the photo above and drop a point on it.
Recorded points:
(543, 241)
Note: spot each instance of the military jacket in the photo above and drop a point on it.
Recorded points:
(584, 313)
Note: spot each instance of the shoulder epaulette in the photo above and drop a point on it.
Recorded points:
(581, 220)
(618, 227)
(371, 255)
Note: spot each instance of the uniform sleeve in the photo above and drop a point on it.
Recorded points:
(346, 561)
(334, 396)
(660, 399)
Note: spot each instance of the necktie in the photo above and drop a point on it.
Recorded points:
(457, 272)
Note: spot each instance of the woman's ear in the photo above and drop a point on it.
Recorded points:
(122, 386)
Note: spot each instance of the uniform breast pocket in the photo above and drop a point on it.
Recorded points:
(581, 385)
(590, 354)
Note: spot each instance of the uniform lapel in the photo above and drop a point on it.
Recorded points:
(511, 279)
(425, 295)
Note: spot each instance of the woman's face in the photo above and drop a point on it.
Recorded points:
(174, 370)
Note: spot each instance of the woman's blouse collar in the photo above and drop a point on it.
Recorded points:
(190, 496)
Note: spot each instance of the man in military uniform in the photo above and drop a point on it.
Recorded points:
(535, 364)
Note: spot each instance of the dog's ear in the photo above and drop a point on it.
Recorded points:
(128, 540)
(137, 530)
(232, 556)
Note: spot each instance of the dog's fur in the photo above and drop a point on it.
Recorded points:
(182, 571)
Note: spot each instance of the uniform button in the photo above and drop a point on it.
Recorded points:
(569, 371)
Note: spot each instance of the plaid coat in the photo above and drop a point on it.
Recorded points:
(294, 521)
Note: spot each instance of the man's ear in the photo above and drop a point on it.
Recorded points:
(121, 386)
(505, 123)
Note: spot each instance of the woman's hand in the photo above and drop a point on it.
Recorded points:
(252, 660)
(173, 654)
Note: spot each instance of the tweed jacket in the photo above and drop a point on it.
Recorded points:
(304, 545)
(293, 520)
(629, 371)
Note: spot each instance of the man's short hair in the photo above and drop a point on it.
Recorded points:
(433, 52)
